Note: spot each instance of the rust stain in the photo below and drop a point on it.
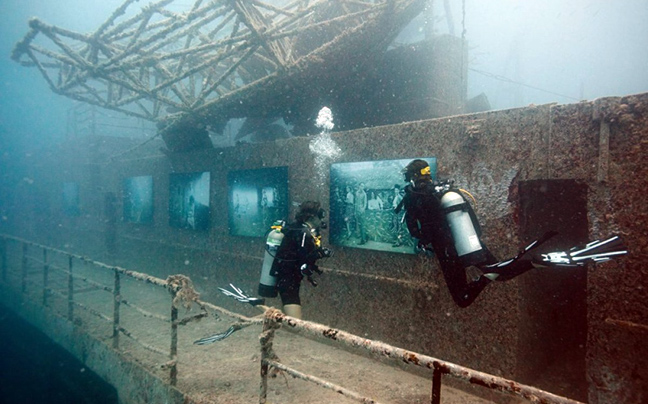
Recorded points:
(411, 358)
(331, 333)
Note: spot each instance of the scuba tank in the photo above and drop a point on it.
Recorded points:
(463, 227)
(268, 282)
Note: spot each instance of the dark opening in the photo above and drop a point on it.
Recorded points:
(33, 369)
(553, 301)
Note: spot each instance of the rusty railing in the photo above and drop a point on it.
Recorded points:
(275, 318)
(180, 287)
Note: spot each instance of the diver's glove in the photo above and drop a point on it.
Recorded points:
(325, 252)
(596, 251)
(307, 271)
(241, 297)
(424, 248)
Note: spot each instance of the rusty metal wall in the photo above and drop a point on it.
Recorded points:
(401, 299)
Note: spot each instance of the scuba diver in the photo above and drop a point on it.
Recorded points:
(297, 254)
(439, 216)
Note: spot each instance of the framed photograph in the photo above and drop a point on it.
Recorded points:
(256, 199)
(138, 199)
(189, 200)
(71, 198)
(364, 196)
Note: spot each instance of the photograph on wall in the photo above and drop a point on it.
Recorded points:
(364, 196)
(71, 198)
(256, 199)
(138, 199)
(189, 200)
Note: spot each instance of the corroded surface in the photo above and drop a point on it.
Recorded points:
(488, 153)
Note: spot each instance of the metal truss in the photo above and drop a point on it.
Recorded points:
(162, 62)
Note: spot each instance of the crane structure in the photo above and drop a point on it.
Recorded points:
(192, 70)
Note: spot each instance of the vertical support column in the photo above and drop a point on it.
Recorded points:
(3, 262)
(23, 286)
(266, 339)
(173, 352)
(70, 290)
(116, 304)
(549, 145)
(604, 152)
(45, 276)
(436, 386)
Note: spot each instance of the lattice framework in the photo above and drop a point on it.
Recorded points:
(163, 62)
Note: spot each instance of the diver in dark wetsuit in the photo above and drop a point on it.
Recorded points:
(297, 255)
(438, 215)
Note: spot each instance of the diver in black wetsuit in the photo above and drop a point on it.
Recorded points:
(438, 215)
(297, 255)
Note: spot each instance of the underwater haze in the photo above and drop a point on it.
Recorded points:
(520, 53)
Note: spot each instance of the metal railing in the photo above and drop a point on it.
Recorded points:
(179, 286)
(274, 318)
(181, 292)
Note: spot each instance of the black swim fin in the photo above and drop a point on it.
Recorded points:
(242, 297)
(493, 271)
(221, 335)
(216, 337)
(595, 251)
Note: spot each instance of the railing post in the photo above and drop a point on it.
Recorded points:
(70, 280)
(23, 286)
(173, 352)
(3, 263)
(266, 339)
(45, 276)
(436, 386)
(116, 306)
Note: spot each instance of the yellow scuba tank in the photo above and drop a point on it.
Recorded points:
(268, 282)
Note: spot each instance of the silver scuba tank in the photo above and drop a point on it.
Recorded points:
(268, 282)
(465, 238)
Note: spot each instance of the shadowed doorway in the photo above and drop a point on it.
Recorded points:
(553, 301)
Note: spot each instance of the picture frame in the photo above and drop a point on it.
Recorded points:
(364, 197)
(137, 198)
(189, 200)
(257, 198)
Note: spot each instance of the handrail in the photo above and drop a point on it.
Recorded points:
(47, 265)
(133, 274)
(174, 284)
(274, 318)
